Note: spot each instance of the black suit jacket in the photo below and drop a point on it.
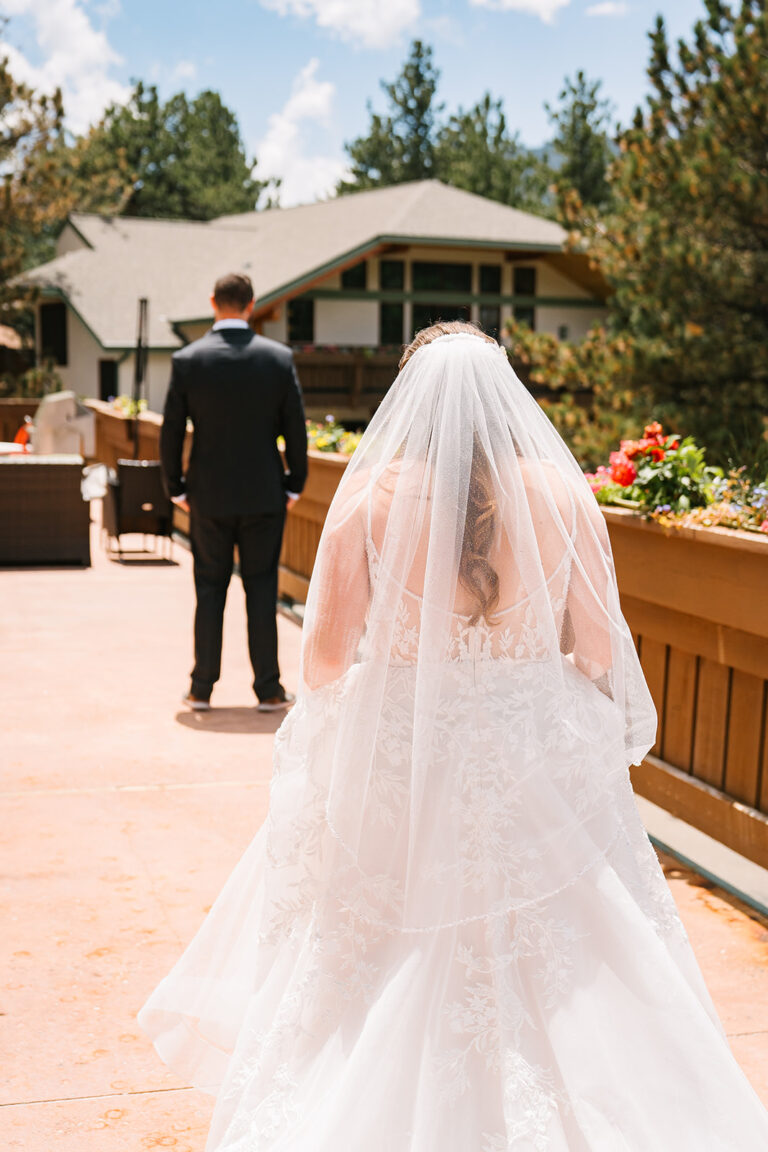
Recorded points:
(241, 392)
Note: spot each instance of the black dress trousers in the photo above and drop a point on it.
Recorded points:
(258, 539)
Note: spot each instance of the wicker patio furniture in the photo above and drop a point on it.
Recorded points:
(43, 518)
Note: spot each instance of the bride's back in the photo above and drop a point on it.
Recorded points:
(497, 629)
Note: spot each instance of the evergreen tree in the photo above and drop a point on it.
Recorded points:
(182, 159)
(686, 247)
(476, 151)
(581, 121)
(31, 196)
(400, 145)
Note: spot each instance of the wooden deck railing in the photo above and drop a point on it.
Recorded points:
(697, 603)
(695, 600)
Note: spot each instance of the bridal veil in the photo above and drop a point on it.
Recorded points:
(452, 933)
(464, 649)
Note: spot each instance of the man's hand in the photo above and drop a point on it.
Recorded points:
(180, 502)
(291, 502)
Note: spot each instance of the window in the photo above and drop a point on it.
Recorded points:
(390, 322)
(53, 332)
(392, 275)
(107, 379)
(526, 316)
(525, 281)
(433, 277)
(356, 276)
(426, 314)
(490, 319)
(301, 320)
(490, 279)
(562, 332)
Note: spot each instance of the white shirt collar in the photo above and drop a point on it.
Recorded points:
(234, 323)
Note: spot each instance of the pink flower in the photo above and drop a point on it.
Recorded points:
(764, 526)
(598, 479)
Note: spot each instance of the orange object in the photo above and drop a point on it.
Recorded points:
(22, 437)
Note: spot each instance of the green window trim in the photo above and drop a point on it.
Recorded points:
(511, 300)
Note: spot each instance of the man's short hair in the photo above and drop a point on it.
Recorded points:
(233, 291)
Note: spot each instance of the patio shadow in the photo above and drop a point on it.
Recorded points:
(231, 720)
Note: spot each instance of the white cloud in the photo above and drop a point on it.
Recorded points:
(76, 57)
(284, 150)
(369, 22)
(608, 8)
(546, 10)
(108, 9)
(184, 70)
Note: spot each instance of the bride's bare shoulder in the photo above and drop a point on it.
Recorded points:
(543, 478)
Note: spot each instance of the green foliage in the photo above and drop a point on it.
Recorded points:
(594, 402)
(127, 406)
(472, 149)
(685, 243)
(678, 482)
(182, 159)
(332, 437)
(670, 481)
(582, 141)
(34, 383)
(399, 146)
(31, 195)
(476, 151)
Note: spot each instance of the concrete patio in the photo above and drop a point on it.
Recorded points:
(123, 816)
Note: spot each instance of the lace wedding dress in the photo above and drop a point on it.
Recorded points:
(452, 934)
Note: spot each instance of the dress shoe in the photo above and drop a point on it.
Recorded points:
(196, 703)
(276, 703)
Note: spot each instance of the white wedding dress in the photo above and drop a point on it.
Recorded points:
(452, 934)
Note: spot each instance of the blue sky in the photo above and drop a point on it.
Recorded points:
(298, 73)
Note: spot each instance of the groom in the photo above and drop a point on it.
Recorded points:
(241, 392)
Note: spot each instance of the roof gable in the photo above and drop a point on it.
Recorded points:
(174, 263)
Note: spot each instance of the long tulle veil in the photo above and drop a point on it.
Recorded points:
(452, 934)
(464, 544)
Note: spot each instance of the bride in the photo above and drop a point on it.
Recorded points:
(452, 933)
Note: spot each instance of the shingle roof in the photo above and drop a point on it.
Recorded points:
(174, 263)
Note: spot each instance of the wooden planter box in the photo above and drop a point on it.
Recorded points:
(696, 600)
(305, 523)
(115, 435)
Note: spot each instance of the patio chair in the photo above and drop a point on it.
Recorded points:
(43, 518)
(136, 502)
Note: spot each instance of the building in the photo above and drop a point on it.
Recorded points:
(346, 282)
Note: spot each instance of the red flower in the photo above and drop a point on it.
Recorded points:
(623, 471)
(631, 448)
(657, 453)
(653, 431)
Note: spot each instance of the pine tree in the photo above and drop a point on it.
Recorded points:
(32, 194)
(476, 151)
(401, 144)
(685, 247)
(182, 159)
(582, 142)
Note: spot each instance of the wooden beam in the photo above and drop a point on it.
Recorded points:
(698, 635)
(732, 823)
